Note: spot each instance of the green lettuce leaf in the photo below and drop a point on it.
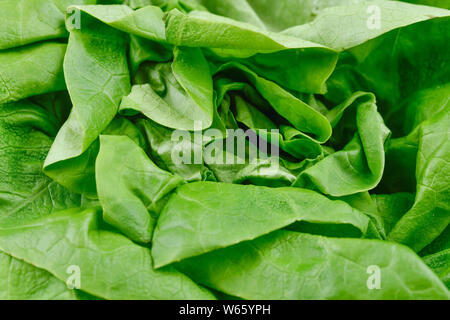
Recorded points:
(96, 73)
(291, 265)
(130, 187)
(111, 266)
(28, 21)
(429, 216)
(22, 281)
(26, 193)
(334, 27)
(359, 166)
(194, 221)
(180, 94)
(31, 70)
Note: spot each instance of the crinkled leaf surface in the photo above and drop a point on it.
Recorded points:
(111, 266)
(359, 166)
(429, 216)
(291, 265)
(96, 73)
(181, 96)
(31, 70)
(194, 221)
(25, 192)
(129, 185)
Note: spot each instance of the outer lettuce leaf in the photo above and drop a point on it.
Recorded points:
(195, 221)
(22, 281)
(270, 54)
(289, 13)
(290, 265)
(199, 29)
(25, 192)
(272, 15)
(130, 187)
(96, 73)
(300, 70)
(406, 71)
(28, 21)
(78, 174)
(335, 27)
(31, 70)
(111, 266)
(145, 26)
(146, 22)
(429, 216)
